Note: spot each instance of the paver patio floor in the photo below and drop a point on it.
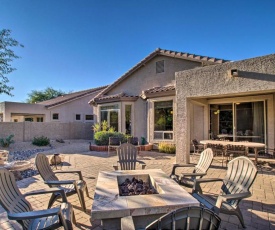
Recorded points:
(258, 210)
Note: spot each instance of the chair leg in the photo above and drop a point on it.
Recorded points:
(240, 216)
(87, 192)
(52, 199)
(81, 198)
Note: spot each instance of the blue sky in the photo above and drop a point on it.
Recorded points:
(81, 44)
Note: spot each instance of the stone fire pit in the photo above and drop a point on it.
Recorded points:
(109, 206)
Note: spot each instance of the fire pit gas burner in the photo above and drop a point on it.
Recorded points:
(136, 187)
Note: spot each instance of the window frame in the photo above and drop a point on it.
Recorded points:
(153, 120)
(55, 119)
(89, 120)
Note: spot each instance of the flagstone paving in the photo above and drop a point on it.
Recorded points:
(258, 210)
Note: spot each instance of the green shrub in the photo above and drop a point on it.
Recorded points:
(41, 141)
(5, 142)
(165, 147)
(103, 126)
(102, 137)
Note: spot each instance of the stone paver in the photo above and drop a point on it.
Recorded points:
(258, 210)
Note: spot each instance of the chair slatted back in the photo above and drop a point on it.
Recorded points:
(187, 218)
(205, 161)
(11, 198)
(44, 168)
(240, 175)
(127, 156)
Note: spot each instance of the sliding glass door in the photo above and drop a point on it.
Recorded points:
(250, 121)
(242, 121)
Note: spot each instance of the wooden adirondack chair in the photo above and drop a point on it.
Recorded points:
(240, 175)
(183, 218)
(199, 170)
(19, 209)
(70, 186)
(127, 157)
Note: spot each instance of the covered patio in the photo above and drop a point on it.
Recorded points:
(233, 100)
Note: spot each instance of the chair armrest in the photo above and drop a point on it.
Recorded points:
(228, 197)
(197, 187)
(34, 214)
(115, 167)
(59, 182)
(180, 166)
(48, 190)
(143, 165)
(127, 223)
(193, 174)
(71, 171)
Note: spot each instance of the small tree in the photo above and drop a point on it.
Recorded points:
(7, 55)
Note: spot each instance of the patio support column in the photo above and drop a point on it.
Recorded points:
(183, 130)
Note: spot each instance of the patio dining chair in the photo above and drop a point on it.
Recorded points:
(218, 152)
(69, 186)
(114, 143)
(19, 209)
(240, 175)
(197, 147)
(232, 151)
(181, 219)
(127, 157)
(199, 170)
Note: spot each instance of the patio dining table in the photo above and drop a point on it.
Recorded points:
(254, 145)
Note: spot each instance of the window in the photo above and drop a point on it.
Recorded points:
(110, 114)
(39, 119)
(78, 117)
(128, 113)
(163, 120)
(160, 66)
(89, 117)
(55, 116)
(29, 119)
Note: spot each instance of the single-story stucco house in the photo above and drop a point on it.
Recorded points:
(175, 97)
(71, 107)
(142, 102)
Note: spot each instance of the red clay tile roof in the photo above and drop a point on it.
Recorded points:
(170, 89)
(162, 52)
(70, 96)
(115, 97)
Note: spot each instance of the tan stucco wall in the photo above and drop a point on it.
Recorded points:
(26, 131)
(257, 77)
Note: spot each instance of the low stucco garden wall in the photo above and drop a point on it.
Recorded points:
(26, 131)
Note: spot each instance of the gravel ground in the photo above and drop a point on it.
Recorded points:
(26, 151)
